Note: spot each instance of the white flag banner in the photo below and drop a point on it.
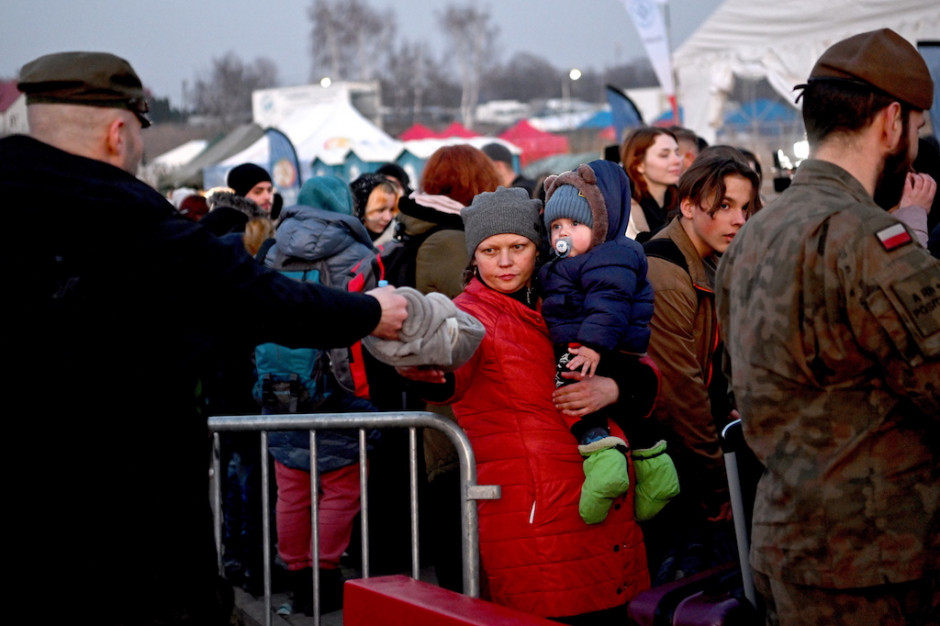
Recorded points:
(648, 21)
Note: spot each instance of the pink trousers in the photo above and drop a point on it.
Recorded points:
(339, 504)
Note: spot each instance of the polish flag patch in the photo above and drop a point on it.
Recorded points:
(893, 237)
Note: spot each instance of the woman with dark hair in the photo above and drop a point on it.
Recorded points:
(650, 156)
(537, 555)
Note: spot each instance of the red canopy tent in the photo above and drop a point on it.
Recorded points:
(535, 144)
(456, 129)
(418, 131)
(607, 134)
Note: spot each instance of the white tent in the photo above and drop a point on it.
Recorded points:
(328, 132)
(181, 155)
(780, 41)
(161, 166)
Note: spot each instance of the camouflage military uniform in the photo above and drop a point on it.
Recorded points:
(831, 317)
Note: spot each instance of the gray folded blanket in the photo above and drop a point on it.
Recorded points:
(435, 333)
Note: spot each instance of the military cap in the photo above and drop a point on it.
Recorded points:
(94, 79)
(882, 59)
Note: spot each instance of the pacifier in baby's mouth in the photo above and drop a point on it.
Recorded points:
(563, 246)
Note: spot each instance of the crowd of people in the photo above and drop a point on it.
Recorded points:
(631, 309)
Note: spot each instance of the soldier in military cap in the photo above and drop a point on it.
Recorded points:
(831, 315)
(123, 309)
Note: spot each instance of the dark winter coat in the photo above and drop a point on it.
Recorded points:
(601, 298)
(310, 234)
(442, 257)
(122, 307)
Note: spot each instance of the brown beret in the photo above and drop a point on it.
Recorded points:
(89, 78)
(882, 59)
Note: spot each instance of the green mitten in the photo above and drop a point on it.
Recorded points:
(605, 478)
(656, 480)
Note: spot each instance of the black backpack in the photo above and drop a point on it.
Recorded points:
(293, 380)
(395, 263)
(665, 248)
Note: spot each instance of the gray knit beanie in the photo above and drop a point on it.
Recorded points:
(506, 210)
(568, 201)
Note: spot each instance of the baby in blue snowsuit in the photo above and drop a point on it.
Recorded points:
(595, 296)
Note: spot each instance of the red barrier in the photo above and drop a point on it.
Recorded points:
(404, 601)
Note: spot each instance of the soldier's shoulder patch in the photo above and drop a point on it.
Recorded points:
(893, 237)
(919, 294)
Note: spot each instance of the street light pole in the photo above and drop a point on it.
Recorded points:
(573, 75)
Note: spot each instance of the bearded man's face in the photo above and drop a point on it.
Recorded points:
(897, 165)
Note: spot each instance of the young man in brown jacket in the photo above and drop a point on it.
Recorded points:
(717, 193)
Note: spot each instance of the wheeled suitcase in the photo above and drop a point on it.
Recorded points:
(721, 603)
(722, 595)
(743, 470)
(657, 606)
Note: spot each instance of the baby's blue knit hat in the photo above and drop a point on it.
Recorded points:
(568, 201)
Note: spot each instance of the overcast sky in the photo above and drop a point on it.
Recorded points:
(172, 41)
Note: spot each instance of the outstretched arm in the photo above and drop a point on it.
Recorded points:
(394, 312)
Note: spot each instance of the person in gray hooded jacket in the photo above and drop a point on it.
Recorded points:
(318, 234)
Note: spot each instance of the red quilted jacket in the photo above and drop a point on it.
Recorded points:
(537, 555)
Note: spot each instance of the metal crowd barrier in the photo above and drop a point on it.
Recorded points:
(313, 422)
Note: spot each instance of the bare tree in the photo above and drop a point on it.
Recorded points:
(634, 73)
(404, 79)
(525, 77)
(417, 86)
(325, 38)
(349, 39)
(472, 40)
(225, 92)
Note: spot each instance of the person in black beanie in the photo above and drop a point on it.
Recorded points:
(399, 177)
(253, 182)
(502, 159)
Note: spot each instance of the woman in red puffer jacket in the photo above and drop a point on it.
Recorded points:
(536, 553)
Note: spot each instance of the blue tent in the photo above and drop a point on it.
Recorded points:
(412, 163)
(319, 167)
(759, 111)
(601, 119)
(665, 119)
